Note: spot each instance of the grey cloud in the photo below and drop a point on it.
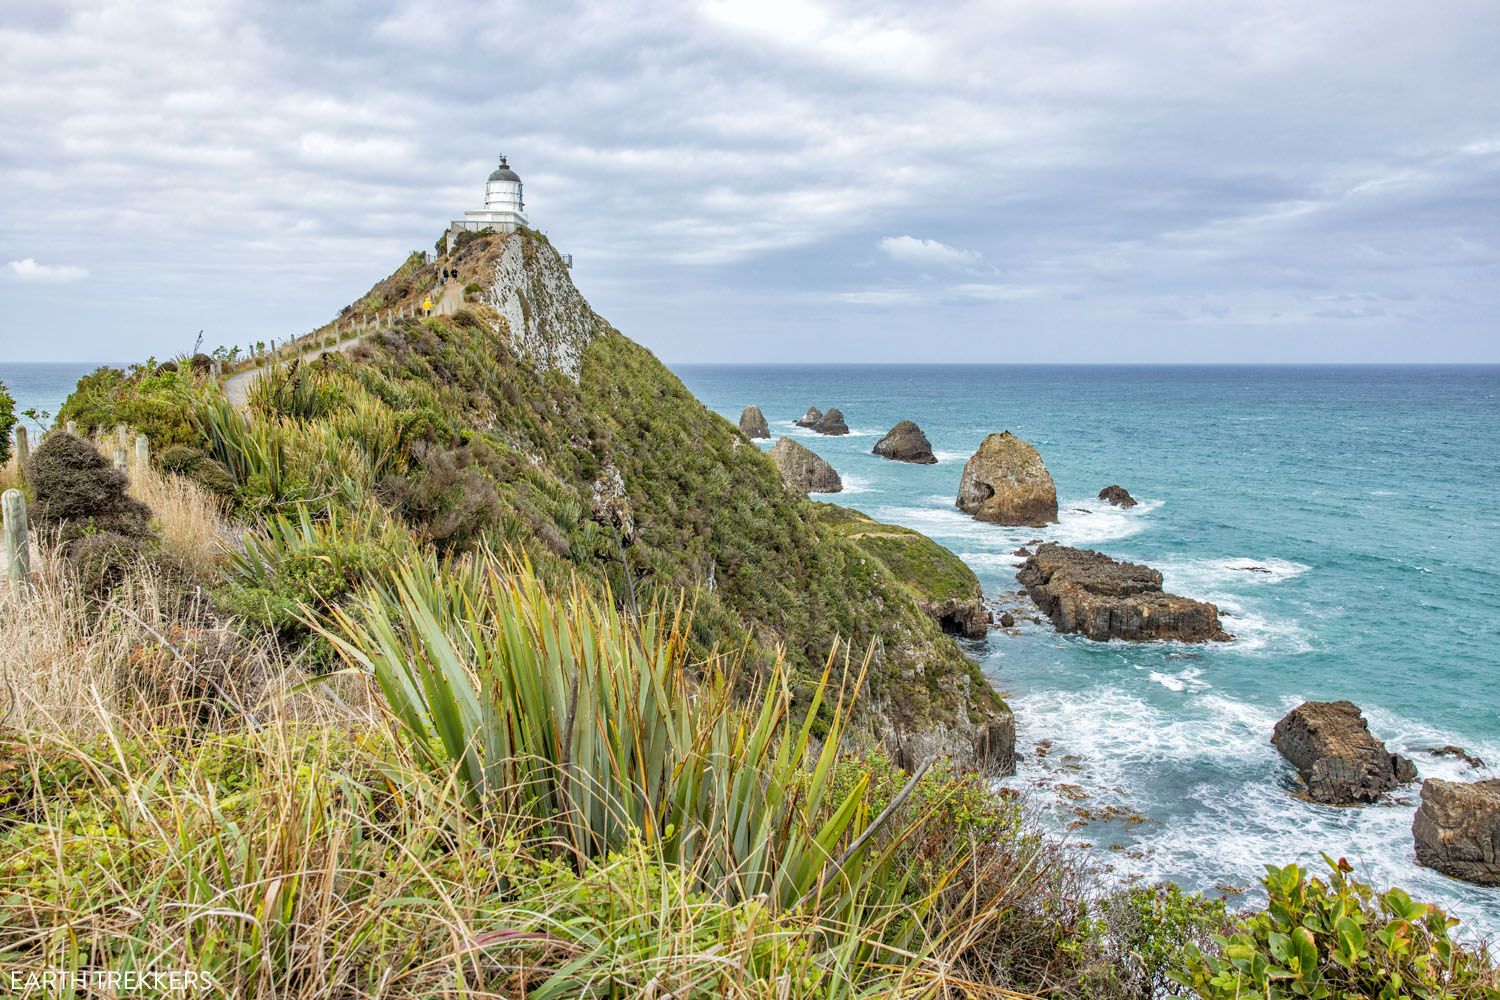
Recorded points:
(1113, 169)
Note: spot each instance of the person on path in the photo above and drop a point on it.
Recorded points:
(427, 306)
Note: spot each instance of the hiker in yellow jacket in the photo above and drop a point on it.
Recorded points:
(427, 306)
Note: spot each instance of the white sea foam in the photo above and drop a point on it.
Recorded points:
(1207, 574)
(1205, 769)
(949, 456)
(854, 484)
(1092, 521)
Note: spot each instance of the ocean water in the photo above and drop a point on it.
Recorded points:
(1347, 520)
(42, 385)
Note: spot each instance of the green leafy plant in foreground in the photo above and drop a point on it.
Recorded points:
(565, 709)
(1342, 940)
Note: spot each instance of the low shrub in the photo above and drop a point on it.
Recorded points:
(1343, 940)
(149, 399)
(194, 464)
(76, 492)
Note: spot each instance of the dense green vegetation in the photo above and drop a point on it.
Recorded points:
(7, 422)
(439, 671)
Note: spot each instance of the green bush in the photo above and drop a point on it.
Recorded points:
(77, 493)
(150, 399)
(1340, 940)
(7, 422)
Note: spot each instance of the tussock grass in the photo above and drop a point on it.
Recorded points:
(188, 519)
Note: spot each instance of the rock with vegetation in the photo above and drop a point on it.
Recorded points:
(832, 423)
(1457, 829)
(1117, 496)
(1340, 762)
(905, 443)
(1005, 482)
(804, 470)
(753, 423)
(1088, 592)
(942, 581)
(811, 418)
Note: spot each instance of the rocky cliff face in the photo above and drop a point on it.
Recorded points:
(803, 470)
(1330, 744)
(545, 318)
(1005, 482)
(905, 443)
(1457, 829)
(1090, 593)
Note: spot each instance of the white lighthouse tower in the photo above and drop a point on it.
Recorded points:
(502, 209)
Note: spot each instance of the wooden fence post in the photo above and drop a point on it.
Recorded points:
(23, 449)
(120, 436)
(17, 538)
(120, 459)
(142, 453)
(73, 427)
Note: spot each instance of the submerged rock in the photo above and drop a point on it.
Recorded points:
(1117, 495)
(1457, 829)
(832, 423)
(811, 418)
(1088, 592)
(1341, 764)
(1452, 751)
(803, 470)
(906, 443)
(1005, 482)
(753, 423)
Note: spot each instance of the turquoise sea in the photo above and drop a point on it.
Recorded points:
(1345, 518)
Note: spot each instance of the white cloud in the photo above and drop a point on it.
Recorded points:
(927, 253)
(49, 274)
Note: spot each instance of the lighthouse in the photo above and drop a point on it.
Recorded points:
(503, 205)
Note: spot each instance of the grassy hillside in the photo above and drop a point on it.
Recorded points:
(527, 421)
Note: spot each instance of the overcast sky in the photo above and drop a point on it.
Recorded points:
(1057, 180)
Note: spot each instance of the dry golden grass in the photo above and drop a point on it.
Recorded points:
(189, 519)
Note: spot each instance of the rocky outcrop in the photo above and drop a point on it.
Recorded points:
(1457, 829)
(832, 423)
(753, 423)
(611, 504)
(1341, 764)
(1088, 592)
(905, 443)
(1117, 495)
(1005, 482)
(811, 418)
(803, 470)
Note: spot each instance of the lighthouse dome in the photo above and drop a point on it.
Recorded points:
(504, 173)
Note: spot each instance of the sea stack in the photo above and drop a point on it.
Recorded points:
(1457, 829)
(811, 418)
(1005, 482)
(1341, 764)
(1117, 495)
(803, 470)
(832, 423)
(905, 443)
(1088, 592)
(753, 423)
